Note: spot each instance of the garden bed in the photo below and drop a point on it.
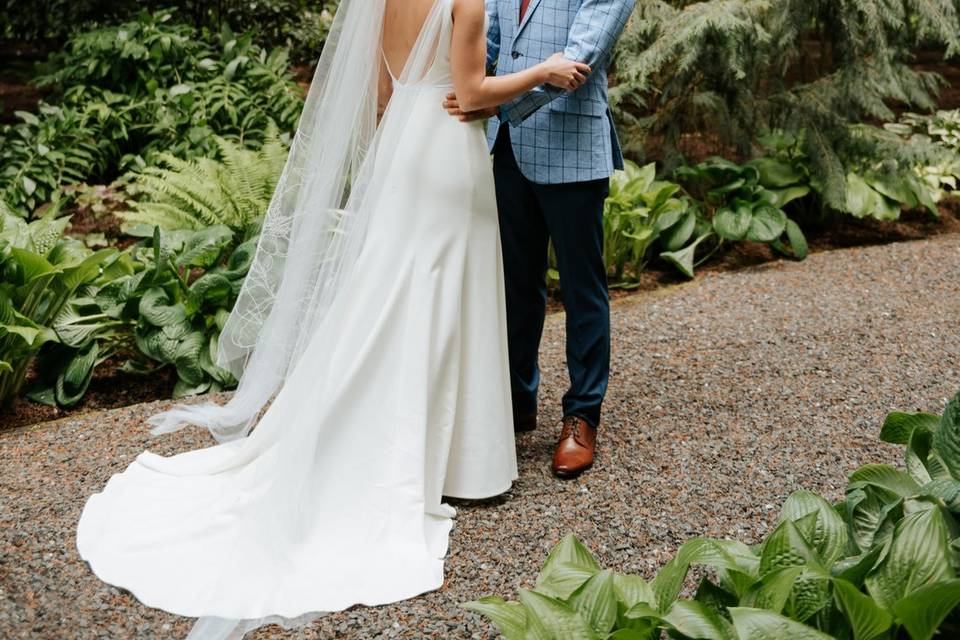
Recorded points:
(112, 388)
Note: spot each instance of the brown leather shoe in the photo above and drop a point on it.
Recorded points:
(524, 422)
(574, 452)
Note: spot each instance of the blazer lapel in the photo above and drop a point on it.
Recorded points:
(526, 17)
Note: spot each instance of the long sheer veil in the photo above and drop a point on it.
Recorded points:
(314, 227)
(312, 232)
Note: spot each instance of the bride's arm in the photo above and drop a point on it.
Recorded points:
(468, 57)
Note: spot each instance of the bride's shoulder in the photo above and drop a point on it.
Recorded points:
(467, 8)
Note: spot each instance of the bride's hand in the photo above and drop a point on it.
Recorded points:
(564, 73)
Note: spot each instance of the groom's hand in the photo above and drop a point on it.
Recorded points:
(452, 105)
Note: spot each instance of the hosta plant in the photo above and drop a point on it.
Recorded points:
(880, 565)
(167, 310)
(638, 212)
(747, 202)
(40, 270)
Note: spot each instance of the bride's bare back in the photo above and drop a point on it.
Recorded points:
(402, 23)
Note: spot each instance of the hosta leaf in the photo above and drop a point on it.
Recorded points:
(695, 620)
(767, 224)
(922, 611)
(919, 555)
(632, 589)
(182, 389)
(785, 547)
(732, 223)
(798, 241)
(78, 371)
(568, 565)
(510, 618)
(5, 367)
(861, 200)
(898, 427)
(947, 436)
(782, 197)
(187, 358)
(917, 453)
(211, 288)
(28, 335)
(31, 265)
(558, 619)
(948, 491)
(596, 601)
(683, 259)
(829, 535)
(872, 513)
(203, 248)
(811, 593)
(776, 173)
(757, 624)
(154, 310)
(866, 618)
(667, 583)
(674, 238)
(855, 568)
(73, 381)
(715, 597)
(773, 590)
(76, 275)
(886, 477)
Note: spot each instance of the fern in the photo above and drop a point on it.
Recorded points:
(233, 189)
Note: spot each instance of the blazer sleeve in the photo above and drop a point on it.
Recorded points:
(493, 35)
(592, 37)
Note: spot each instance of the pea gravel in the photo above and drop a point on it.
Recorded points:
(726, 394)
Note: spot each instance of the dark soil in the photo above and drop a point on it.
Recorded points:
(109, 388)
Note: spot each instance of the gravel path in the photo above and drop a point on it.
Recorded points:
(727, 394)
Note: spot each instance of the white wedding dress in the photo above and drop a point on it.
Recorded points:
(335, 497)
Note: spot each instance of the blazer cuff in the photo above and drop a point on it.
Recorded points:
(526, 105)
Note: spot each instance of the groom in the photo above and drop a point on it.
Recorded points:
(553, 153)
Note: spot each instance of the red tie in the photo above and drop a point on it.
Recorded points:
(523, 8)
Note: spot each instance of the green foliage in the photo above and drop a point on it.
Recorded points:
(301, 25)
(58, 145)
(40, 270)
(165, 306)
(740, 68)
(941, 128)
(132, 94)
(192, 194)
(637, 212)
(881, 565)
(747, 200)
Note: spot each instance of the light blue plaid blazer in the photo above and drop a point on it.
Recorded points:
(557, 136)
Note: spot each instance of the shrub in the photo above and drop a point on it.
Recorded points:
(741, 68)
(129, 94)
(881, 564)
(166, 309)
(40, 270)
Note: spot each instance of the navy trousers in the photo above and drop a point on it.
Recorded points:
(571, 215)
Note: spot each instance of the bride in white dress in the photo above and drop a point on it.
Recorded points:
(373, 319)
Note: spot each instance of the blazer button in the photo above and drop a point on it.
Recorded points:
(515, 55)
